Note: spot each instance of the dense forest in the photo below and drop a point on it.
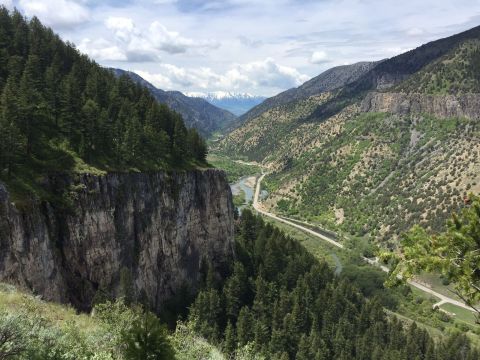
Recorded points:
(287, 305)
(59, 111)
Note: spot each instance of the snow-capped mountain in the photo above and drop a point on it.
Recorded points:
(236, 103)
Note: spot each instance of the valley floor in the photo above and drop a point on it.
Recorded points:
(424, 287)
(435, 295)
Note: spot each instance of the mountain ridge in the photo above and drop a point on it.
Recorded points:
(391, 72)
(393, 148)
(237, 103)
(328, 80)
(196, 112)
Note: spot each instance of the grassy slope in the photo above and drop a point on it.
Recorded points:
(14, 302)
(382, 173)
(454, 73)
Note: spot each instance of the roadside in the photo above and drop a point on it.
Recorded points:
(374, 262)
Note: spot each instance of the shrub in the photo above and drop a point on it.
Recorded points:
(147, 339)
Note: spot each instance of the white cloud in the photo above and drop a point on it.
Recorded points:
(56, 13)
(159, 80)
(415, 31)
(164, 2)
(123, 28)
(392, 51)
(319, 57)
(7, 3)
(102, 50)
(132, 44)
(265, 74)
(172, 42)
(139, 34)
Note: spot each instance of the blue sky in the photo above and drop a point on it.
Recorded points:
(260, 47)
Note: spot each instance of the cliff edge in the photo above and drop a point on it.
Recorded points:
(157, 227)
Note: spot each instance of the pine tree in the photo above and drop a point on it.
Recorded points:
(12, 141)
(21, 34)
(230, 342)
(52, 89)
(304, 350)
(69, 106)
(66, 106)
(197, 148)
(244, 326)
(235, 291)
(179, 146)
(147, 339)
(6, 34)
(31, 105)
(131, 142)
(89, 129)
(206, 313)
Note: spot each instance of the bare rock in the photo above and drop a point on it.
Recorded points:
(160, 226)
(441, 106)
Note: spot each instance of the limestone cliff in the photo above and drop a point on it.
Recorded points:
(159, 226)
(441, 106)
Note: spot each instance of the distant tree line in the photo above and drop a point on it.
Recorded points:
(57, 106)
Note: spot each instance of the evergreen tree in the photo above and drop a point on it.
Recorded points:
(302, 310)
(32, 108)
(230, 342)
(197, 147)
(244, 326)
(235, 291)
(147, 339)
(179, 145)
(455, 253)
(89, 129)
(131, 141)
(12, 142)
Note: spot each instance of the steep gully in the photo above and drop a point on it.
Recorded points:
(374, 262)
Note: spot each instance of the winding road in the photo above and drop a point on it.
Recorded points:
(258, 207)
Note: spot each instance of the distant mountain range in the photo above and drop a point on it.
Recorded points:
(196, 112)
(236, 103)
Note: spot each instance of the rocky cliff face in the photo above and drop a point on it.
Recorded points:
(441, 106)
(158, 227)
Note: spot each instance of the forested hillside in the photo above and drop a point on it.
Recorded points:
(61, 112)
(286, 305)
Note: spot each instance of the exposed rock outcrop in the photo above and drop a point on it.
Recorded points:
(329, 80)
(441, 106)
(159, 226)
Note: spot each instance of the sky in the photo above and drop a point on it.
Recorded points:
(259, 47)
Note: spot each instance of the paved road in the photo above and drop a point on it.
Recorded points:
(257, 206)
